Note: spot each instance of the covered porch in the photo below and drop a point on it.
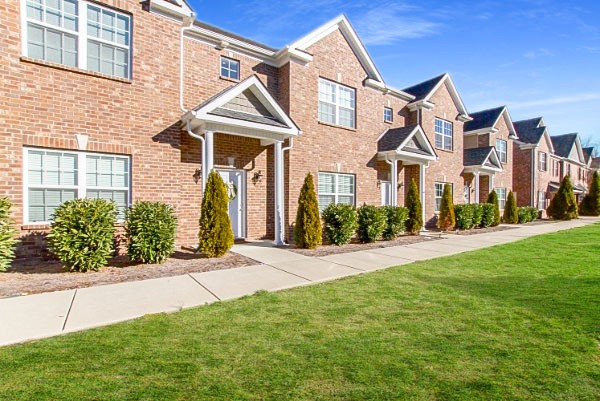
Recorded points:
(481, 164)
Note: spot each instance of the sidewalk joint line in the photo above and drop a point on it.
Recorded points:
(69, 310)
(341, 264)
(201, 285)
(285, 271)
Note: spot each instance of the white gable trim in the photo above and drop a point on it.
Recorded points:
(508, 121)
(400, 154)
(447, 80)
(494, 156)
(165, 7)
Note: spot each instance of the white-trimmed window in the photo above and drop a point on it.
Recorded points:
(388, 114)
(541, 203)
(230, 68)
(55, 176)
(501, 148)
(443, 134)
(543, 161)
(438, 193)
(336, 188)
(555, 167)
(80, 34)
(337, 104)
(501, 192)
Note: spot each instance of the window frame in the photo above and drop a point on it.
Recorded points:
(501, 201)
(81, 187)
(541, 199)
(229, 69)
(443, 134)
(500, 153)
(337, 103)
(336, 194)
(385, 115)
(82, 36)
(436, 207)
(545, 164)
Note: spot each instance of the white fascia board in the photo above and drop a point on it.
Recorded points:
(265, 54)
(421, 104)
(246, 124)
(162, 6)
(480, 131)
(464, 115)
(548, 140)
(413, 157)
(512, 133)
(371, 83)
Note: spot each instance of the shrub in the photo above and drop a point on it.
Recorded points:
(487, 215)
(215, 236)
(477, 214)
(511, 215)
(590, 206)
(524, 215)
(150, 231)
(372, 222)
(533, 213)
(414, 223)
(7, 235)
(396, 217)
(446, 220)
(308, 232)
(82, 233)
(493, 200)
(464, 216)
(563, 205)
(339, 223)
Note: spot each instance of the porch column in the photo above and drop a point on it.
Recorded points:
(279, 207)
(422, 191)
(394, 184)
(476, 182)
(209, 162)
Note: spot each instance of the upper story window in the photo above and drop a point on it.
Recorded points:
(443, 134)
(543, 161)
(230, 68)
(335, 188)
(337, 104)
(78, 34)
(555, 167)
(388, 114)
(501, 148)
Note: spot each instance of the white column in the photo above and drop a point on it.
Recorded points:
(491, 182)
(476, 182)
(279, 207)
(394, 188)
(422, 191)
(209, 163)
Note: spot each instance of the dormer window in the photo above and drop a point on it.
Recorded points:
(388, 114)
(230, 68)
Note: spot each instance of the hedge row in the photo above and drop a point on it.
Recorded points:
(527, 214)
(474, 215)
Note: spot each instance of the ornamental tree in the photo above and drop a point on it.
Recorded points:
(308, 232)
(215, 236)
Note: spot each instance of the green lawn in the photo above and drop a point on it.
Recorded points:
(513, 322)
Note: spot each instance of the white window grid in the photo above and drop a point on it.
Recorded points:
(438, 193)
(443, 134)
(79, 185)
(501, 192)
(336, 188)
(113, 42)
(541, 200)
(337, 104)
(501, 148)
(388, 114)
(230, 68)
(543, 166)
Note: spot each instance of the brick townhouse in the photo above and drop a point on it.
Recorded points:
(572, 162)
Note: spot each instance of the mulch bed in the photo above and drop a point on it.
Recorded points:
(32, 276)
(355, 245)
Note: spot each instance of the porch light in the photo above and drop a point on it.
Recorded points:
(197, 175)
(257, 177)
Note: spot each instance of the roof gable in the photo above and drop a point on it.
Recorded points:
(485, 120)
(483, 157)
(425, 90)
(410, 141)
(532, 130)
(569, 147)
(588, 153)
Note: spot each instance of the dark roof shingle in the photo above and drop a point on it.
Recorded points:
(421, 90)
(588, 153)
(394, 137)
(483, 119)
(476, 156)
(563, 144)
(529, 131)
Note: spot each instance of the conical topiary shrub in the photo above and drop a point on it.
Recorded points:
(7, 235)
(308, 232)
(590, 206)
(415, 209)
(511, 214)
(215, 236)
(564, 205)
(446, 219)
(493, 199)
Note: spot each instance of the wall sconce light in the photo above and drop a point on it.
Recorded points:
(197, 175)
(257, 177)
(400, 185)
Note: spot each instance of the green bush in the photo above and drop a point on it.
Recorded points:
(524, 215)
(82, 233)
(533, 213)
(372, 222)
(590, 205)
(339, 223)
(487, 215)
(215, 236)
(7, 235)
(464, 216)
(493, 200)
(396, 217)
(150, 231)
(477, 214)
(563, 205)
(446, 219)
(414, 223)
(308, 232)
(511, 215)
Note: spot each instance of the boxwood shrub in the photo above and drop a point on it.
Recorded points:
(477, 214)
(524, 215)
(7, 235)
(82, 233)
(396, 217)
(339, 223)
(464, 216)
(372, 222)
(150, 231)
(533, 213)
(488, 215)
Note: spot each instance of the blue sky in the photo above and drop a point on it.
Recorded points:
(539, 57)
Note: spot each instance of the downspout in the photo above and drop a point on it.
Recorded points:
(203, 146)
(282, 192)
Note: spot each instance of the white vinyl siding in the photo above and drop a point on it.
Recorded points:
(337, 104)
(230, 68)
(335, 188)
(501, 192)
(80, 34)
(53, 177)
(443, 134)
(501, 148)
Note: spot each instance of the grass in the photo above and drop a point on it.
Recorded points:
(519, 321)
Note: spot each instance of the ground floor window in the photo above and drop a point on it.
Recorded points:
(467, 194)
(439, 192)
(336, 188)
(386, 193)
(54, 176)
(501, 192)
(541, 200)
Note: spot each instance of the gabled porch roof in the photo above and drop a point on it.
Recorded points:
(409, 144)
(483, 160)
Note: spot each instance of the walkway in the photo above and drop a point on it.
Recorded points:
(44, 315)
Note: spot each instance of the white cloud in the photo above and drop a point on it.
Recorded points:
(538, 53)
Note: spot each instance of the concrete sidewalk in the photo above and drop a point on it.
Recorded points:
(44, 315)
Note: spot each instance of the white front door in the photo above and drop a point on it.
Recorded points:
(386, 193)
(236, 190)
